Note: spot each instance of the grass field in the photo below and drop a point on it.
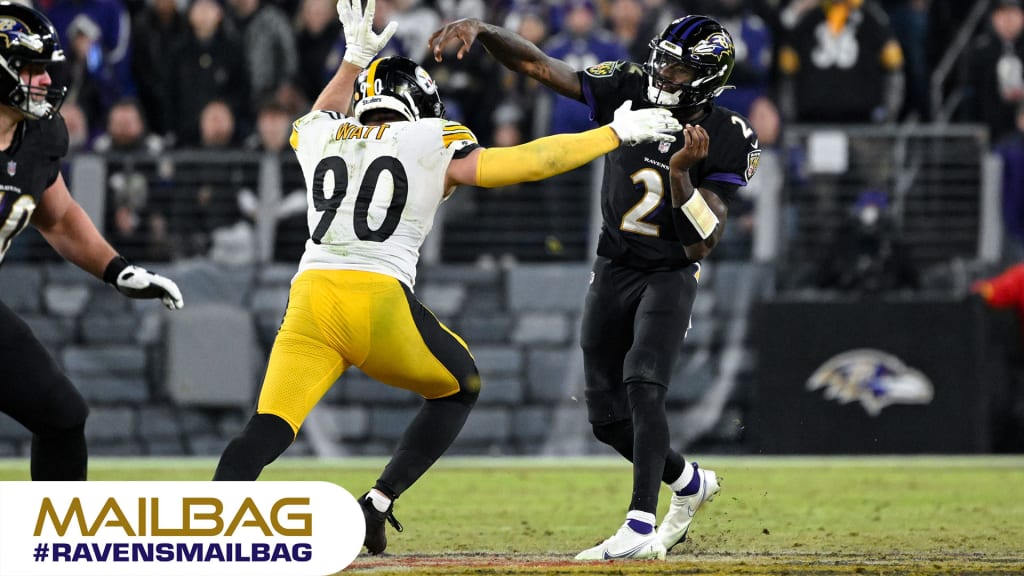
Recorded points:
(800, 516)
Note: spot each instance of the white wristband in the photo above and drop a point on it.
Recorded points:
(699, 214)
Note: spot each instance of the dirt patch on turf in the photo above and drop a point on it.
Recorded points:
(711, 564)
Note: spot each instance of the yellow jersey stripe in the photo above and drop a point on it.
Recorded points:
(454, 127)
(452, 138)
(466, 133)
(294, 139)
(371, 77)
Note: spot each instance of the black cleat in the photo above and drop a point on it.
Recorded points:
(376, 539)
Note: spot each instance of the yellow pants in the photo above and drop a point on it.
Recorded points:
(341, 318)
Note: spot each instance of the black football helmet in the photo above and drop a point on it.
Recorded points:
(398, 84)
(28, 40)
(699, 44)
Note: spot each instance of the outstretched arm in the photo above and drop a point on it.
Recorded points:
(66, 226)
(512, 50)
(361, 45)
(551, 155)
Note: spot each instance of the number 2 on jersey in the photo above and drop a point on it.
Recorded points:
(361, 216)
(654, 189)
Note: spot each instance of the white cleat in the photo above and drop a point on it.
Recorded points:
(626, 544)
(680, 513)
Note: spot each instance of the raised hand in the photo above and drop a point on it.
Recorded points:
(647, 125)
(694, 150)
(361, 43)
(463, 31)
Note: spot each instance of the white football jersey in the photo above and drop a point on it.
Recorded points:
(372, 191)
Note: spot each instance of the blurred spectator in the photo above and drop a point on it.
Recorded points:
(206, 65)
(626, 18)
(217, 125)
(1011, 150)
(292, 99)
(78, 127)
(994, 75)
(207, 220)
(840, 63)
(318, 30)
(581, 44)
(868, 256)
(112, 20)
(90, 77)
(126, 131)
(268, 43)
(160, 26)
(137, 220)
(754, 50)
(273, 127)
(909, 20)
(136, 229)
(416, 21)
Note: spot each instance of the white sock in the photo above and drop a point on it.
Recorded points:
(684, 479)
(645, 517)
(380, 501)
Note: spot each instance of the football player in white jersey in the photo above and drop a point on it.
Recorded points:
(374, 182)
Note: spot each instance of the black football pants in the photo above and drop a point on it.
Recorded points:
(35, 392)
(634, 322)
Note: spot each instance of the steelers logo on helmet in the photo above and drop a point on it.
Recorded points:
(425, 81)
(689, 63)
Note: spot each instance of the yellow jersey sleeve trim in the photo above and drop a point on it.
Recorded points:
(543, 158)
(450, 139)
(294, 139)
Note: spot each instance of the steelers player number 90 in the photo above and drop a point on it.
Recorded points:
(360, 218)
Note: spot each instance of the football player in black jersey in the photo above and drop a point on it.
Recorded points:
(664, 206)
(33, 140)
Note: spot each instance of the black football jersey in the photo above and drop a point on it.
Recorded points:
(636, 200)
(27, 168)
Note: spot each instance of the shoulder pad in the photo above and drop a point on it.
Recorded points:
(456, 136)
(54, 133)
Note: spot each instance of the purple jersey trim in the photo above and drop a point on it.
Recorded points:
(726, 177)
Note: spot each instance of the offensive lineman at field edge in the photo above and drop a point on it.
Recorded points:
(33, 140)
(374, 183)
(663, 211)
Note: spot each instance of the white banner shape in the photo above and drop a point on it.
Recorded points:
(175, 528)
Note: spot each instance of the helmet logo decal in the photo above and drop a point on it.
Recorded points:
(14, 32)
(717, 45)
(425, 81)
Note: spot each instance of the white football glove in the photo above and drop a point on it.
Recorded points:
(648, 125)
(361, 43)
(137, 282)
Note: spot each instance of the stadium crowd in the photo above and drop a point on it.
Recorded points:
(148, 76)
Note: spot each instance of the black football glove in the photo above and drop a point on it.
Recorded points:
(137, 282)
